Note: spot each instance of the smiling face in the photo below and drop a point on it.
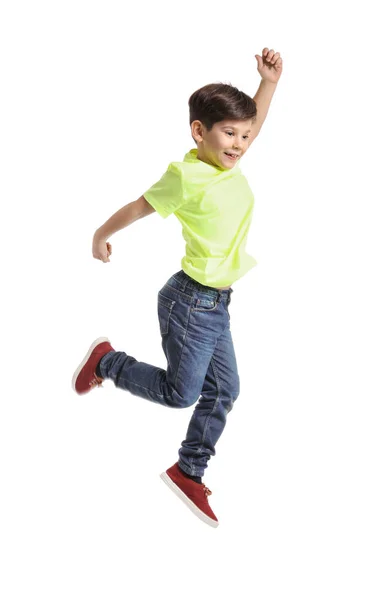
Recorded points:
(226, 136)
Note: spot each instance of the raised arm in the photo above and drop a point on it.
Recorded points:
(263, 99)
(270, 66)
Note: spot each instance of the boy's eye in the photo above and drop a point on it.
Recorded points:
(231, 133)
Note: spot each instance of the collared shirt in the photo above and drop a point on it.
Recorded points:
(214, 207)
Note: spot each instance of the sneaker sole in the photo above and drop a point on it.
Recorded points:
(87, 356)
(198, 513)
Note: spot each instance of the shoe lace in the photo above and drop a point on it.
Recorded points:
(206, 491)
(96, 381)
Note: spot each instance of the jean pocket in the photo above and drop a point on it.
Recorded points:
(165, 307)
(204, 303)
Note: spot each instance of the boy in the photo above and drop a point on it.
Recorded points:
(213, 201)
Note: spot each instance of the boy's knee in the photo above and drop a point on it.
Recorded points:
(186, 402)
(234, 395)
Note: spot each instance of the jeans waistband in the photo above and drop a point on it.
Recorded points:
(188, 282)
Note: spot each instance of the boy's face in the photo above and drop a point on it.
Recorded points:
(227, 136)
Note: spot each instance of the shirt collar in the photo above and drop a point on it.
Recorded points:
(191, 156)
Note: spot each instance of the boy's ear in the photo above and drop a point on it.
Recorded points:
(196, 131)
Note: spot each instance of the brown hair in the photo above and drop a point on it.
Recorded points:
(218, 101)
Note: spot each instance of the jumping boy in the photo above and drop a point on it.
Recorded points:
(214, 203)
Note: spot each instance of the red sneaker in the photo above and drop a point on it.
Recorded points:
(193, 494)
(85, 378)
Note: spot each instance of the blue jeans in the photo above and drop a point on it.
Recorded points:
(195, 329)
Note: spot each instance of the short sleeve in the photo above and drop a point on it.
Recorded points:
(166, 196)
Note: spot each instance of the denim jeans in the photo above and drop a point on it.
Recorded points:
(201, 365)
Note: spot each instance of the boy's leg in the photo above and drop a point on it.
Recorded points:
(189, 337)
(220, 389)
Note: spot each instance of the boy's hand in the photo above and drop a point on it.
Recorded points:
(101, 249)
(270, 65)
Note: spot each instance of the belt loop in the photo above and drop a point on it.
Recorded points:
(184, 281)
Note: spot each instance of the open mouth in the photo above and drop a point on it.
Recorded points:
(231, 156)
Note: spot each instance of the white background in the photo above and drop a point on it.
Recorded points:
(94, 106)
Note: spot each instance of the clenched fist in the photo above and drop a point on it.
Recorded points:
(101, 249)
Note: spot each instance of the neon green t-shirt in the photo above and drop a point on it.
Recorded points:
(214, 207)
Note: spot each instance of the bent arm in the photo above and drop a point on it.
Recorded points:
(125, 216)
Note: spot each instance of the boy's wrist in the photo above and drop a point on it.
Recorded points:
(268, 82)
(99, 235)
